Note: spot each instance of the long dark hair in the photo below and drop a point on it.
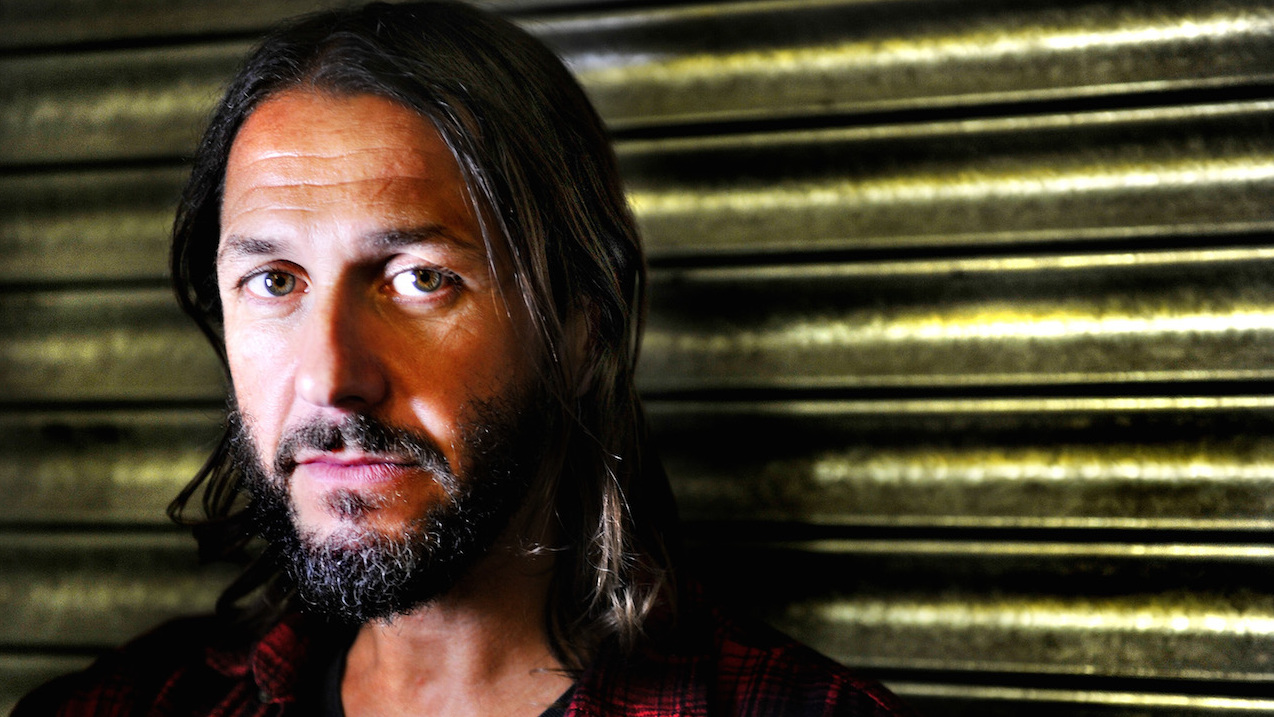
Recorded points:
(538, 163)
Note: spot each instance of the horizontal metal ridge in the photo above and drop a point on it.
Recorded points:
(1182, 636)
(1012, 266)
(35, 24)
(101, 467)
(83, 547)
(1004, 548)
(1018, 406)
(749, 60)
(1013, 700)
(94, 590)
(1184, 174)
(110, 105)
(740, 61)
(1246, 115)
(1195, 463)
(95, 225)
(1009, 321)
(103, 345)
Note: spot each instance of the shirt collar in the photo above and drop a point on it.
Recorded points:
(280, 662)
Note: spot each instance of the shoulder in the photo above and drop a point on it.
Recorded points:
(762, 671)
(704, 664)
(196, 652)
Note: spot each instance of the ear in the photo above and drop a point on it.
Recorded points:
(577, 349)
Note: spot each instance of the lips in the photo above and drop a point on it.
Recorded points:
(355, 469)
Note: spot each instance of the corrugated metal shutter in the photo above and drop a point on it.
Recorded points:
(962, 326)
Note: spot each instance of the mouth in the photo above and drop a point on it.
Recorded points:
(353, 469)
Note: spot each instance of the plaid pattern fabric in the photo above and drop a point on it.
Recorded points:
(193, 666)
(713, 666)
(707, 666)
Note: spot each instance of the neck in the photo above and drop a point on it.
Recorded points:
(480, 649)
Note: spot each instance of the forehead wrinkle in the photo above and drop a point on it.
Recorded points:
(405, 158)
(360, 165)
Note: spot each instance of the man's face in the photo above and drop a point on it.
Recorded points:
(380, 376)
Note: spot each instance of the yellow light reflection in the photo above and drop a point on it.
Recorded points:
(1053, 615)
(960, 186)
(1029, 43)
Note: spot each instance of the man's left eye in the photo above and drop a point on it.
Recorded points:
(418, 281)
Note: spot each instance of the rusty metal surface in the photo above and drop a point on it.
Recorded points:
(111, 467)
(1149, 463)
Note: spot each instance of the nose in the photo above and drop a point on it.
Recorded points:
(339, 366)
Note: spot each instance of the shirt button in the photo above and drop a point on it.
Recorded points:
(263, 697)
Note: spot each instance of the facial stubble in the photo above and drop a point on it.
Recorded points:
(359, 573)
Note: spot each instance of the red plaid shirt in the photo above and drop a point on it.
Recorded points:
(195, 667)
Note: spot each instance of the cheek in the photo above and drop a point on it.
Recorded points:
(458, 366)
(258, 378)
(440, 375)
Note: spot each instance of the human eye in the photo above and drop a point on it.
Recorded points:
(421, 281)
(270, 284)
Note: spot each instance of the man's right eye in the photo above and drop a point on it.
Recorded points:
(270, 284)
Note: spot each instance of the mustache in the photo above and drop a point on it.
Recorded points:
(367, 435)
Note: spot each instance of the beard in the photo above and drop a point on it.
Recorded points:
(358, 573)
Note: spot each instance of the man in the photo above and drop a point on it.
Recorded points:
(405, 232)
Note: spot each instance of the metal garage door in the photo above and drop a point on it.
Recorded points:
(959, 352)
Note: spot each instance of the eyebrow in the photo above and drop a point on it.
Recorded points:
(435, 234)
(427, 234)
(240, 245)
